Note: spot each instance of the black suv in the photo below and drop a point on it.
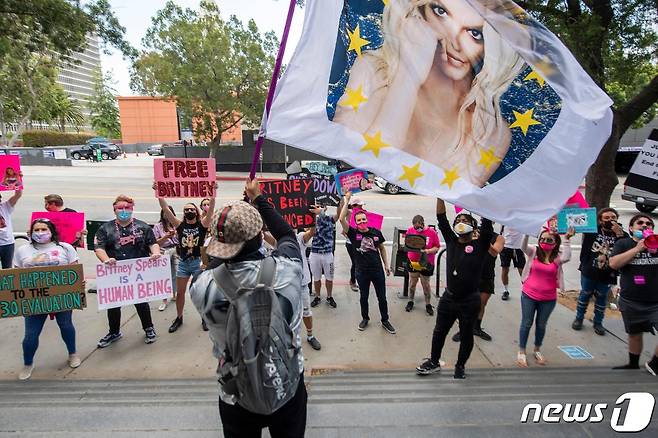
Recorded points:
(88, 151)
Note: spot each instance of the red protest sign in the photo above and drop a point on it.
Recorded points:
(184, 177)
(291, 198)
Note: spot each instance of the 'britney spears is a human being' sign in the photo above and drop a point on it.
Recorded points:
(133, 281)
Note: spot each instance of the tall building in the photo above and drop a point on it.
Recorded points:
(77, 79)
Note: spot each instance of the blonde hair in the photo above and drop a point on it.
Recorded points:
(124, 198)
(500, 66)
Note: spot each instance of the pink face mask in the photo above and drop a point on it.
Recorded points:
(362, 226)
(548, 247)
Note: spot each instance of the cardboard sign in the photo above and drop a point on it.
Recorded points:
(10, 173)
(68, 225)
(184, 177)
(326, 191)
(353, 180)
(583, 220)
(292, 198)
(39, 290)
(374, 220)
(133, 281)
(644, 173)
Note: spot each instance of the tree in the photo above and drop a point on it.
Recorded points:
(36, 36)
(616, 41)
(104, 108)
(63, 110)
(217, 70)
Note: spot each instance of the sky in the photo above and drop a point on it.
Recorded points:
(135, 16)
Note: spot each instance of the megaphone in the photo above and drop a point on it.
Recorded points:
(650, 240)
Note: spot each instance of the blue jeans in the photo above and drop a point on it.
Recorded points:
(188, 267)
(589, 288)
(34, 325)
(7, 255)
(529, 308)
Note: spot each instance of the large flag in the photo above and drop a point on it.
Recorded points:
(472, 101)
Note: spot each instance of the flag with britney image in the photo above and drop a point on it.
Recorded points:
(472, 101)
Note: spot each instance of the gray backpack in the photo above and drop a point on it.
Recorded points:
(261, 368)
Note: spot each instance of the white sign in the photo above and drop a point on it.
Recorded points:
(646, 163)
(133, 281)
(60, 154)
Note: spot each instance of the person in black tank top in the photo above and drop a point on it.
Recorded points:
(191, 232)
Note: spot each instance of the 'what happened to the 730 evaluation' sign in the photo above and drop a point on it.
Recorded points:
(39, 290)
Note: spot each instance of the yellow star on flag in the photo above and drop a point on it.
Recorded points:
(356, 42)
(524, 121)
(411, 174)
(374, 143)
(354, 98)
(488, 158)
(450, 176)
(385, 2)
(534, 75)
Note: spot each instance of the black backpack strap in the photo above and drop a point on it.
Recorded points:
(267, 272)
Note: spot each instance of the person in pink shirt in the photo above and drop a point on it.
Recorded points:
(541, 277)
(421, 263)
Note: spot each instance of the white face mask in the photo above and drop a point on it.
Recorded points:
(462, 228)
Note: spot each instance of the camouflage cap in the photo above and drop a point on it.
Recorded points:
(232, 225)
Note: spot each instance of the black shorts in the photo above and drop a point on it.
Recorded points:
(486, 286)
(509, 255)
(639, 317)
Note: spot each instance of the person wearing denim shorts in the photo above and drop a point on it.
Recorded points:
(191, 234)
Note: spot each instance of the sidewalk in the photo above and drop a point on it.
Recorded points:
(187, 353)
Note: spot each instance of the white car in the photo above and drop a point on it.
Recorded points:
(386, 186)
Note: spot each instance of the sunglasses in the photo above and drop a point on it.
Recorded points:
(647, 223)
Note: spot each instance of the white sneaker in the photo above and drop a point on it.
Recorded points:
(74, 360)
(162, 306)
(26, 372)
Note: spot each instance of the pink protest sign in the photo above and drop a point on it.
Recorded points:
(374, 220)
(68, 225)
(10, 172)
(184, 177)
(353, 180)
(577, 200)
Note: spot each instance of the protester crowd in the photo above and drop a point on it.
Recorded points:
(224, 256)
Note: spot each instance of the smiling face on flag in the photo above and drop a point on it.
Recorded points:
(432, 78)
(471, 101)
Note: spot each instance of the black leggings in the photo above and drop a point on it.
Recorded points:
(465, 310)
(350, 251)
(287, 422)
(114, 317)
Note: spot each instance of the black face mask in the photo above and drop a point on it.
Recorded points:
(189, 215)
(607, 225)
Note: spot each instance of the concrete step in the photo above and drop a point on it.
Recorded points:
(345, 387)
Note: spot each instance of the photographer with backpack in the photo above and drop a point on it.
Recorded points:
(252, 305)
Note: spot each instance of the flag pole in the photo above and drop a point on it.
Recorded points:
(270, 93)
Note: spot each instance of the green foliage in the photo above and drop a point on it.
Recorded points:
(616, 41)
(39, 138)
(36, 36)
(217, 70)
(104, 109)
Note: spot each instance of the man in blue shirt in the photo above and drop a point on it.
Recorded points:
(321, 260)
